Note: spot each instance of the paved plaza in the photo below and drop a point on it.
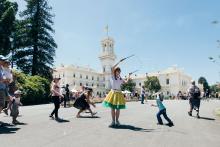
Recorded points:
(139, 127)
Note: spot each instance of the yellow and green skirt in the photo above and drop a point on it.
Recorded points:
(115, 100)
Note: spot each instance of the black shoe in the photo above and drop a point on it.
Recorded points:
(159, 123)
(112, 125)
(170, 124)
(190, 113)
(197, 116)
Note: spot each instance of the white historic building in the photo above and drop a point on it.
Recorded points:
(172, 79)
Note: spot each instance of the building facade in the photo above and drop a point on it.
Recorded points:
(172, 80)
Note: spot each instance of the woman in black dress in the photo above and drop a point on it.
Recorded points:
(83, 102)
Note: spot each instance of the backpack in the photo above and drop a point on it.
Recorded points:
(196, 93)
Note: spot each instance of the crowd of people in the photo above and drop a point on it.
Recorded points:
(114, 100)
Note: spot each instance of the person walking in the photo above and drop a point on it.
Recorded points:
(14, 107)
(56, 97)
(194, 98)
(142, 94)
(67, 95)
(3, 81)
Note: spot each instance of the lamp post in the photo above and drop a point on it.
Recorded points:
(12, 52)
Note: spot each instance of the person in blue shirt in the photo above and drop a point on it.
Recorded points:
(162, 110)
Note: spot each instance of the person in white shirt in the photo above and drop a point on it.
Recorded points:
(115, 98)
(8, 76)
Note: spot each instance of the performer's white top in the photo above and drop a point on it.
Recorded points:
(116, 83)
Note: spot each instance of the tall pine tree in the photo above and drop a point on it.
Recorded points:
(8, 11)
(36, 46)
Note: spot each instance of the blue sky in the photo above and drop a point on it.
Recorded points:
(161, 33)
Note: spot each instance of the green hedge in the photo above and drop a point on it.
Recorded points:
(35, 89)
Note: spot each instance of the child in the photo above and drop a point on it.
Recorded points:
(115, 98)
(162, 111)
(15, 106)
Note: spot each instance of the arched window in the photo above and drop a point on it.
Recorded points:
(167, 81)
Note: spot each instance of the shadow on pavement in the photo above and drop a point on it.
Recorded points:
(7, 128)
(21, 124)
(205, 118)
(61, 120)
(133, 128)
(89, 117)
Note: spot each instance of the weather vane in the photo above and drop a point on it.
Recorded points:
(106, 29)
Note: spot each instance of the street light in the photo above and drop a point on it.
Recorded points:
(12, 52)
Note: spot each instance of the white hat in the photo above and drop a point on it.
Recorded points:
(18, 92)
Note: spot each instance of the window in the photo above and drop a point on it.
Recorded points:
(97, 78)
(97, 85)
(87, 77)
(92, 84)
(80, 84)
(63, 75)
(92, 78)
(139, 84)
(103, 78)
(167, 81)
(86, 84)
(80, 76)
(74, 75)
(103, 69)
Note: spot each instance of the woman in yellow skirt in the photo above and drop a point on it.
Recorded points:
(115, 98)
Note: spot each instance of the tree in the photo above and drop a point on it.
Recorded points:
(8, 11)
(203, 81)
(215, 88)
(152, 84)
(36, 46)
(130, 85)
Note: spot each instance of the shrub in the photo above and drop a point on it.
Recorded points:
(35, 89)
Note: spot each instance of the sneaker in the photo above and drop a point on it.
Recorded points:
(5, 111)
(112, 125)
(190, 113)
(117, 123)
(51, 116)
(170, 124)
(15, 122)
(93, 114)
(159, 123)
